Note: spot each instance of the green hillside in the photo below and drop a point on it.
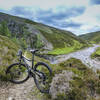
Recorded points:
(33, 34)
(8, 51)
(63, 41)
(93, 37)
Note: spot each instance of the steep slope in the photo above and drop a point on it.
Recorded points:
(49, 38)
(8, 51)
(94, 36)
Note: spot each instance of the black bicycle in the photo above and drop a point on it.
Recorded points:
(21, 71)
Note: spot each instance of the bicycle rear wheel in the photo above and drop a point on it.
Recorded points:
(17, 73)
(42, 77)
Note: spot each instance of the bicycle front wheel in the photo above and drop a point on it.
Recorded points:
(42, 77)
(17, 73)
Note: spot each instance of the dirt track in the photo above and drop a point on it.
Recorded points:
(83, 55)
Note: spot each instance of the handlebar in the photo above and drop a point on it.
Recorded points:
(33, 51)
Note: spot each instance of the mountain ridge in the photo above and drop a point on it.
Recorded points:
(93, 37)
(50, 38)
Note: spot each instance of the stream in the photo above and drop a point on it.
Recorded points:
(83, 55)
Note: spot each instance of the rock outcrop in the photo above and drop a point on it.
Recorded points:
(61, 83)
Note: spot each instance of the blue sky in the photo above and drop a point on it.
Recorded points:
(77, 16)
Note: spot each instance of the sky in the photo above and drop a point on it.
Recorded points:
(77, 16)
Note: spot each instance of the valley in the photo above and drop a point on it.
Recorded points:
(72, 58)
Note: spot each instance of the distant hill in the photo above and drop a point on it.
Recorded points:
(93, 37)
(49, 38)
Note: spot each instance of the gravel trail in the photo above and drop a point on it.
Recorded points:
(23, 91)
(83, 55)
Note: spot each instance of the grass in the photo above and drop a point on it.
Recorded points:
(96, 53)
(59, 51)
(8, 51)
(66, 50)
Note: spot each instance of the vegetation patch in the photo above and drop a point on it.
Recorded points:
(63, 42)
(80, 86)
(96, 53)
(68, 49)
(8, 51)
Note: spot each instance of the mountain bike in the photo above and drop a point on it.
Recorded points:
(21, 72)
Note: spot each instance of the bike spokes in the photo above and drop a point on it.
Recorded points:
(17, 73)
(42, 78)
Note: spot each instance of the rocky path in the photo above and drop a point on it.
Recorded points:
(83, 55)
(23, 91)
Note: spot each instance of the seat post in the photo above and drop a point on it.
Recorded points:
(32, 60)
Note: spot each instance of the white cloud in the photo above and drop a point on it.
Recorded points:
(90, 19)
(44, 4)
(90, 15)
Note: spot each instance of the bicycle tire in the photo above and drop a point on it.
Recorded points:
(44, 90)
(8, 71)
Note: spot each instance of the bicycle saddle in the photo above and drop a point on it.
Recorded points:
(33, 51)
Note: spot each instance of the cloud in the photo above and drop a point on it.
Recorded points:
(21, 10)
(83, 29)
(90, 16)
(43, 4)
(57, 18)
(60, 19)
(69, 24)
(42, 14)
(95, 2)
(67, 13)
(25, 12)
(90, 20)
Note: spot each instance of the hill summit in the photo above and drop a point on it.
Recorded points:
(93, 37)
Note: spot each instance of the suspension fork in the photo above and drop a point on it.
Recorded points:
(20, 61)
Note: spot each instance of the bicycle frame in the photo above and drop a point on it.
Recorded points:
(31, 70)
(24, 59)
